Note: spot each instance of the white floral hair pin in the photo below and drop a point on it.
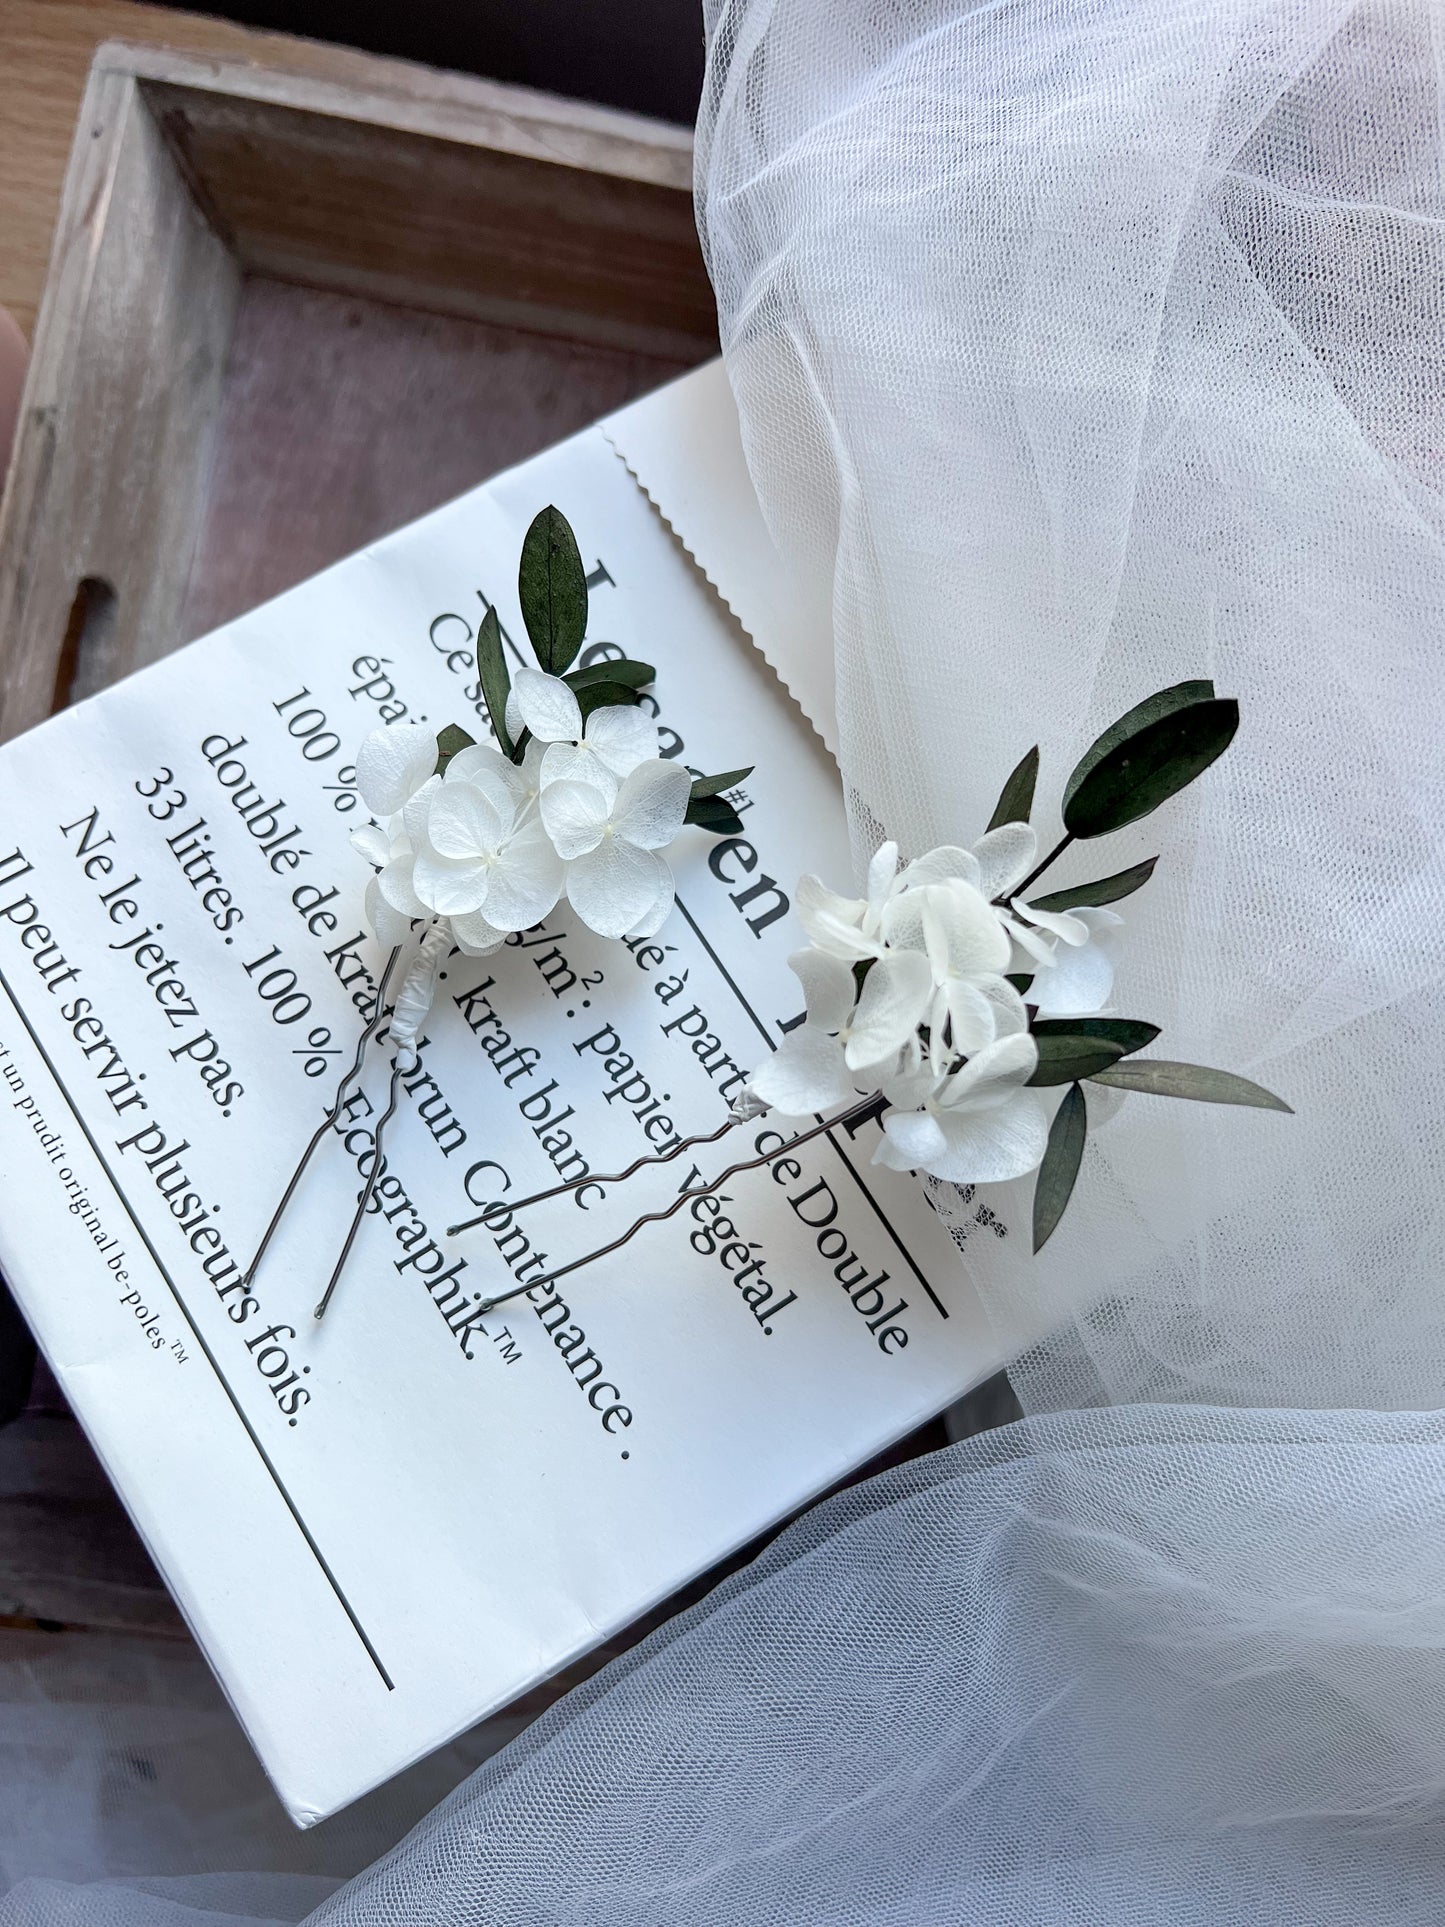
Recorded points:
(953, 997)
(481, 840)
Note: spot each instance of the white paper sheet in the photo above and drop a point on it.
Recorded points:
(383, 1527)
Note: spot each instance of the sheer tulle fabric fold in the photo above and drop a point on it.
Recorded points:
(1083, 348)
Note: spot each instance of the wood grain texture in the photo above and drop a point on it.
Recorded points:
(342, 419)
(46, 48)
(569, 225)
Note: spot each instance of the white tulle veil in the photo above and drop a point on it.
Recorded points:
(1085, 346)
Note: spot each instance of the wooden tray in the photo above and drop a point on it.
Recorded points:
(286, 314)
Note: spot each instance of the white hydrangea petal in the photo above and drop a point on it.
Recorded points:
(963, 933)
(388, 926)
(547, 706)
(651, 804)
(1077, 984)
(415, 811)
(806, 1073)
(482, 761)
(525, 883)
(475, 935)
(372, 843)
(396, 886)
(1004, 857)
(658, 915)
(911, 1141)
(970, 1016)
(448, 887)
(1037, 948)
(833, 923)
(882, 870)
(393, 763)
(909, 1087)
(1009, 1014)
(988, 1076)
(527, 775)
(512, 714)
(829, 990)
(901, 925)
(942, 865)
(575, 817)
(893, 999)
(992, 1146)
(1068, 926)
(621, 736)
(464, 822)
(576, 763)
(617, 886)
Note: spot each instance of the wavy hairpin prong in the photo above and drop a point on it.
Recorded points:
(348, 1079)
(853, 1113)
(729, 1123)
(393, 1093)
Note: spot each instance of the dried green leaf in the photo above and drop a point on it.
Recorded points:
(1069, 1053)
(715, 785)
(1055, 1183)
(1123, 883)
(1159, 1077)
(552, 588)
(1017, 798)
(1163, 702)
(494, 677)
(449, 741)
(711, 813)
(1150, 765)
(612, 669)
(606, 695)
(1129, 1033)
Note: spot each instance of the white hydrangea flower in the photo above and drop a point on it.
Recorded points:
(967, 948)
(613, 741)
(979, 1125)
(849, 1037)
(393, 763)
(486, 850)
(609, 834)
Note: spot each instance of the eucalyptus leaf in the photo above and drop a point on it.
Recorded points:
(1159, 1077)
(1017, 799)
(715, 785)
(449, 741)
(1163, 702)
(552, 588)
(1123, 883)
(1055, 1183)
(606, 695)
(711, 813)
(1129, 1033)
(1021, 980)
(613, 669)
(1067, 1054)
(1150, 766)
(494, 677)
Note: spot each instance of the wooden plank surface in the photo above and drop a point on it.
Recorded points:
(46, 48)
